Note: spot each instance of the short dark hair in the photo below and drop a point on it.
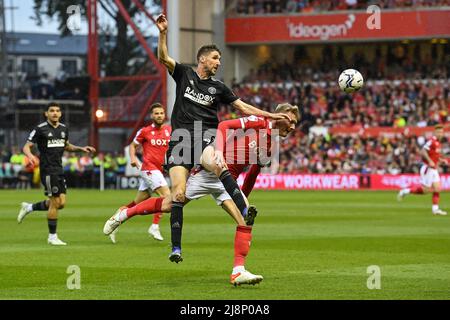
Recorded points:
(156, 105)
(53, 104)
(438, 127)
(207, 49)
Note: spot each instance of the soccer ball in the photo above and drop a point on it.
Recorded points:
(350, 80)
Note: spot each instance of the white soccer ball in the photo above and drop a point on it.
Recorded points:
(350, 80)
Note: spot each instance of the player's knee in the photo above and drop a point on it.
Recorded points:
(166, 205)
(61, 204)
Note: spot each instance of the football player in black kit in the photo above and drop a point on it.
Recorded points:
(52, 139)
(194, 122)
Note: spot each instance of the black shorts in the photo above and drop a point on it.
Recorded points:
(54, 184)
(186, 153)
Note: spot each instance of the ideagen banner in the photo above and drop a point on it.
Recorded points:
(341, 26)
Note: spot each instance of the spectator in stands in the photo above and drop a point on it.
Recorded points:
(87, 169)
(248, 7)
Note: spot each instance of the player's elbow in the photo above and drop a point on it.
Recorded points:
(164, 59)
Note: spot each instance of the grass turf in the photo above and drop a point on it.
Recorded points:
(307, 245)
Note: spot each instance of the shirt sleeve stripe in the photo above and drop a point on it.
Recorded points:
(242, 123)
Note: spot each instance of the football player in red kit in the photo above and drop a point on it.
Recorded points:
(154, 140)
(429, 174)
(235, 150)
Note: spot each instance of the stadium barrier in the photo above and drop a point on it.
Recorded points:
(318, 181)
(339, 181)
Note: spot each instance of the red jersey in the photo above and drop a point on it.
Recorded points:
(245, 146)
(155, 142)
(433, 148)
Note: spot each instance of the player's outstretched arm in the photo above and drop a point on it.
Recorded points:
(250, 110)
(163, 55)
(27, 151)
(72, 148)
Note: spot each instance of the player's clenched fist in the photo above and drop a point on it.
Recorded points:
(161, 23)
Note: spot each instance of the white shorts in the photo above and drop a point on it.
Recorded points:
(151, 179)
(428, 176)
(204, 183)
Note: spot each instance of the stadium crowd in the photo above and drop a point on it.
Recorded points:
(80, 170)
(321, 152)
(258, 7)
(399, 92)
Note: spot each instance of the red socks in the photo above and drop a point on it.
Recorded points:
(417, 190)
(157, 217)
(131, 204)
(435, 198)
(250, 179)
(151, 205)
(242, 241)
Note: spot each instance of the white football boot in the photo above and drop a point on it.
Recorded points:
(245, 277)
(113, 223)
(154, 231)
(112, 236)
(23, 211)
(401, 194)
(55, 241)
(439, 212)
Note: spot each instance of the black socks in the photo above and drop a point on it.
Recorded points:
(234, 191)
(176, 224)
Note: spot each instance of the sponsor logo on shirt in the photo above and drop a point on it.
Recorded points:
(56, 143)
(158, 142)
(200, 98)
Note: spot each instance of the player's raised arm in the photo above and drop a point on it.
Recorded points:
(250, 110)
(163, 55)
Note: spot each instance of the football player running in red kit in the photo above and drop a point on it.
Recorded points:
(154, 140)
(429, 174)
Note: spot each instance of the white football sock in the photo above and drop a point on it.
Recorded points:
(434, 207)
(238, 269)
(29, 207)
(52, 236)
(122, 216)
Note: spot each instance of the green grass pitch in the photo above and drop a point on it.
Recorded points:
(307, 245)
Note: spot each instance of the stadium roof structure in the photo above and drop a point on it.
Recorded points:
(53, 44)
(45, 44)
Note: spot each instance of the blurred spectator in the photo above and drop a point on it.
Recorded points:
(318, 129)
(248, 7)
